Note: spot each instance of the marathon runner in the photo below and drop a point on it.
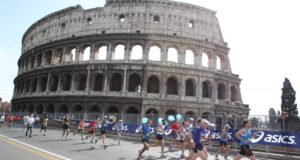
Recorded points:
(80, 128)
(10, 119)
(224, 146)
(119, 128)
(92, 129)
(160, 134)
(104, 125)
(30, 121)
(44, 122)
(2, 119)
(146, 131)
(181, 137)
(175, 127)
(66, 125)
(25, 117)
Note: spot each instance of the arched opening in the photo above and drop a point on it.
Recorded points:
(98, 82)
(118, 52)
(207, 115)
(39, 59)
(189, 57)
(30, 109)
(40, 109)
(132, 110)
(77, 109)
(206, 89)
(66, 82)
(189, 114)
(218, 63)
(205, 60)
(43, 84)
(57, 58)
(27, 86)
(63, 109)
(234, 94)
(134, 83)
(221, 62)
(153, 85)
(151, 111)
(86, 53)
(24, 108)
(171, 112)
(93, 108)
(113, 109)
(50, 108)
(221, 91)
(156, 19)
(81, 84)
(172, 87)
(116, 82)
(48, 57)
(34, 85)
(136, 52)
(53, 83)
(190, 88)
(219, 123)
(102, 53)
(71, 54)
(172, 55)
(32, 62)
(191, 23)
(154, 53)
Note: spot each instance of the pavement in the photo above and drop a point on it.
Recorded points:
(14, 145)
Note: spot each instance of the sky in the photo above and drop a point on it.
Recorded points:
(262, 37)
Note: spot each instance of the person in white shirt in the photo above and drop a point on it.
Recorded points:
(25, 117)
(30, 121)
(2, 118)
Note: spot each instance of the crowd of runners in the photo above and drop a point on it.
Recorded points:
(187, 136)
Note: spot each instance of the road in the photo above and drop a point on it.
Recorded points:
(14, 145)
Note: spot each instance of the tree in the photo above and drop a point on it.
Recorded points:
(288, 99)
(278, 113)
(272, 117)
(254, 122)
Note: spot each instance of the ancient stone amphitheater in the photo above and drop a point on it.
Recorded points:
(156, 57)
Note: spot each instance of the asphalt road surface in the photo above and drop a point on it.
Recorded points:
(14, 145)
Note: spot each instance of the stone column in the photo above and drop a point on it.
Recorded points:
(198, 60)
(77, 55)
(146, 54)
(52, 56)
(48, 83)
(109, 52)
(199, 88)
(181, 56)
(88, 80)
(92, 55)
(43, 58)
(73, 85)
(63, 60)
(163, 86)
(124, 81)
(164, 54)
(127, 52)
(213, 60)
(105, 87)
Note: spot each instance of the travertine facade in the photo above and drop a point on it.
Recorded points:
(130, 56)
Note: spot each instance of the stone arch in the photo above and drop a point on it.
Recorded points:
(207, 89)
(93, 108)
(221, 91)
(43, 84)
(53, 83)
(50, 108)
(63, 109)
(98, 82)
(86, 53)
(48, 57)
(24, 108)
(32, 62)
(233, 93)
(221, 62)
(206, 59)
(81, 82)
(30, 109)
(132, 110)
(66, 82)
(151, 111)
(118, 52)
(189, 57)
(171, 112)
(156, 19)
(112, 109)
(102, 53)
(39, 59)
(154, 53)
(77, 109)
(172, 55)
(189, 114)
(70, 55)
(136, 52)
(27, 86)
(57, 57)
(207, 115)
(116, 82)
(34, 85)
(190, 86)
(153, 84)
(134, 83)
(39, 109)
(172, 86)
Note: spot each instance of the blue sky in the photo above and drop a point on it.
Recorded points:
(263, 37)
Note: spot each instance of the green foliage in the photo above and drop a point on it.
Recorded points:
(288, 99)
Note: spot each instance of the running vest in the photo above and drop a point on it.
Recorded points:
(247, 136)
(146, 131)
(225, 136)
(160, 131)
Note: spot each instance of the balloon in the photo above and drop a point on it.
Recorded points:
(145, 120)
(178, 116)
(171, 118)
(160, 120)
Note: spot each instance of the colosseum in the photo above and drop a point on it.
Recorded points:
(141, 57)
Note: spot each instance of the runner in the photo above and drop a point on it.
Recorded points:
(146, 129)
(66, 125)
(189, 133)
(30, 121)
(25, 117)
(37, 121)
(92, 130)
(80, 128)
(181, 137)
(44, 121)
(198, 137)
(224, 146)
(2, 119)
(175, 127)
(160, 133)
(9, 120)
(104, 125)
(119, 127)
(244, 135)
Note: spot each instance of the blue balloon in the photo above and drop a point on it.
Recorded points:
(178, 116)
(171, 118)
(160, 120)
(145, 120)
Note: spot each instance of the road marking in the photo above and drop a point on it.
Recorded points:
(35, 150)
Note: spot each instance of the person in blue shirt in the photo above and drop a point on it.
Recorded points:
(119, 128)
(224, 146)
(146, 132)
(244, 135)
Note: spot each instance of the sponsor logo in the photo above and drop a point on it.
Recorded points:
(259, 136)
(273, 138)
